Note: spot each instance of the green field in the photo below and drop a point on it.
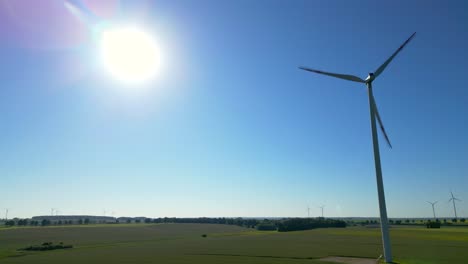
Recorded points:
(183, 243)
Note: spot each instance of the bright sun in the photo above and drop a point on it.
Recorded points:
(129, 54)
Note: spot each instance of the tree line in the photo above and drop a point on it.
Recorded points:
(296, 224)
(43, 222)
(281, 225)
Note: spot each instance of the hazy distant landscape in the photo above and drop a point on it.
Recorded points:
(252, 222)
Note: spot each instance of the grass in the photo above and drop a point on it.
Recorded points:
(183, 243)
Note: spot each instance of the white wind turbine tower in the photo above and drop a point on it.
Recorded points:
(321, 207)
(453, 199)
(6, 214)
(374, 114)
(433, 210)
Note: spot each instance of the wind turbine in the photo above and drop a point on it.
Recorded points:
(308, 211)
(6, 214)
(323, 206)
(374, 114)
(433, 210)
(453, 199)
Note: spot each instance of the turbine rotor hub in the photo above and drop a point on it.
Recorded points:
(370, 77)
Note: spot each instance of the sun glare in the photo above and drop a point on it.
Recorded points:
(129, 54)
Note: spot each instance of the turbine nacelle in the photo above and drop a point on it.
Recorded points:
(370, 77)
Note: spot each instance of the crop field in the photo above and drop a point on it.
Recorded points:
(184, 243)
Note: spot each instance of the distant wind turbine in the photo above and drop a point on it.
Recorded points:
(321, 207)
(374, 114)
(453, 199)
(6, 214)
(433, 210)
(308, 211)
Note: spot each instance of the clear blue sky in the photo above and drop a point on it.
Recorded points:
(231, 126)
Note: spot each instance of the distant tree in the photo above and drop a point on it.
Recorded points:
(137, 221)
(147, 220)
(295, 224)
(445, 220)
(129, 221)
(60, 222)
(22, 222)
(407, 221)
(80, 222)
(10, 223)
(432, 224)
(398, 222)
(413, 220)
(45, 222)
(86, 221)
(266, 226)
(463, 220)
(454, 220)
(391, 221)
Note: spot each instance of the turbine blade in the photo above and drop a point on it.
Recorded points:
(456, 199)
(336, 75)
(385, 64)
(382, 128)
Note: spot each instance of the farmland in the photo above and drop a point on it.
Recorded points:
(184, 243)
